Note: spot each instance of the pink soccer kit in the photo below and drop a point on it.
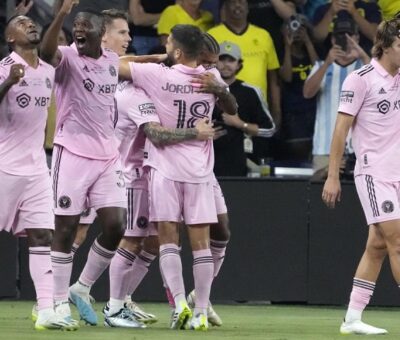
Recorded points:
(23, 170)
(180, 169)
(85, 135)
(371, 95)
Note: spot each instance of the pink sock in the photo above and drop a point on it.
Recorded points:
(359, 298)
(98, 260)
(139, 270)
(203, 271)
(120, 272)
(62, 268)
(171, 267)
(42, 275)
(218, 249)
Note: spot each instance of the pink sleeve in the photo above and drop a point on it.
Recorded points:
(3, 74)
(146, 75)
(352, 95)
(144, 110)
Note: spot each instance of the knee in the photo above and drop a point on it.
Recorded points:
(151, 245)
(132, 244)
(393, 246)
(376, 250)
(221, 231)
(115, 226)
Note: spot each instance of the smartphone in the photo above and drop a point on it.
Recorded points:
(341, 40)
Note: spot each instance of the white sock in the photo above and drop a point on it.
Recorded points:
(352, 315)
(115, 305)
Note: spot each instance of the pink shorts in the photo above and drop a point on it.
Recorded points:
(379, 199)
(171, 200)
(88, 216)
(26, 203)
(219, 198)
(80, 183)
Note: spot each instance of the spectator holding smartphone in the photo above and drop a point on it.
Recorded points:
(325, 81)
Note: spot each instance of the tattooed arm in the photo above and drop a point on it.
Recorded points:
(161, 136)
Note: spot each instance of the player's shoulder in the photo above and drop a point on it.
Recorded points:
(7, 61)
(217, 29)
(364, 72)
(108, 53)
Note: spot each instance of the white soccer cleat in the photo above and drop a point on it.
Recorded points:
(62, 309)
(360, 328)
(51, 320)
(199, 322)
(34, 314)
(140, 314)
(213, 317)
(181, 316)
(123, 318)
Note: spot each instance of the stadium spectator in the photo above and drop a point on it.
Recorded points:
(368, 106)
(325, 80)
(308, 7)
(253, 117)
(145, 15)
(366, 14)
(270, 15)
(184, 12)
(260, 63)
(298, 113)
(389, 8)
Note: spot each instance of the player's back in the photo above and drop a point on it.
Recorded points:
(178, 106)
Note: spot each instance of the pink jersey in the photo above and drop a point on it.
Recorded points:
(134, 109)
(178, 106)
(23, 114)
(372, 95)
(86, 116)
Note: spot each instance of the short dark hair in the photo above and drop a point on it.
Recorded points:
(112, 14)
(385, 36)
(210, 44)
(189, 39)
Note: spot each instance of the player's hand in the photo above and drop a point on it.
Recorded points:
(23, 7)
(67, 6)
(331, 192)
(17, 71)
(356, 50)
(232, 120)
(206, 83)
(219, 132)
(205, 130)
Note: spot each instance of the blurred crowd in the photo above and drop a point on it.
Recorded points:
(293, 54)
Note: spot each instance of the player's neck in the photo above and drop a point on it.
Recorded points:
(29, 55)
(390, 67)
(229, 80)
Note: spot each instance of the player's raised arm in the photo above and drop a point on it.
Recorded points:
(49, 47)
(16, 73)
(161, 136)
(124, 69)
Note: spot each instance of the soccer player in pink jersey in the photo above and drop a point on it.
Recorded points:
(86, 163)
(183, 171)
(370, 106)
(25, 89)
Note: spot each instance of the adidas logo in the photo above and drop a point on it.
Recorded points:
(86, 69)
(23, 83)
(382, 91)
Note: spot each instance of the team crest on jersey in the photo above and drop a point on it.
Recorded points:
(85, 213)
(64, 202)
(23, 100)
(387, 207)
(112, 70)
(147, 109)
(48, 83)
(383, 106)
(88, 84)
(142, 222)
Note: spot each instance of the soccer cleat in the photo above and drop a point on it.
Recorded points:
(139, 314)
(54, 321)
(199, 322)
(62, 309)
(82, 303)
(213, 317)
(181, 316)
(123, 318)
(360, 328)
(34, 314)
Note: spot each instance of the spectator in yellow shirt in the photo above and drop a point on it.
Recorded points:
(184, 12)
(389, 8)
(260, 62)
